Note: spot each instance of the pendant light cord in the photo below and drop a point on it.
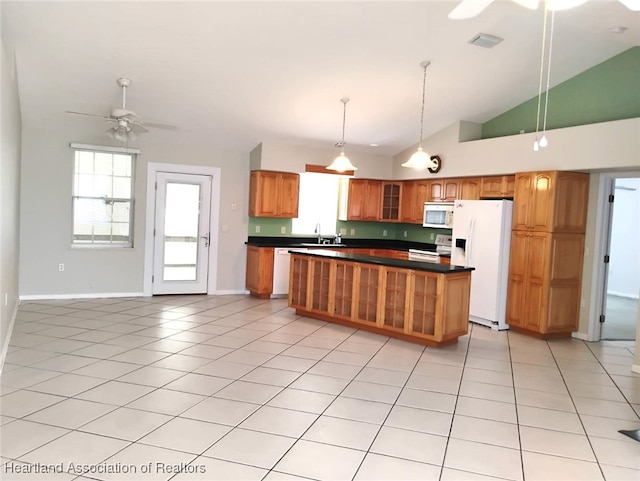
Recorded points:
(546, 96)
(424, 86)
(344, 121)
(544, 39)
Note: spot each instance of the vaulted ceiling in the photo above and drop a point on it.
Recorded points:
(241, 73)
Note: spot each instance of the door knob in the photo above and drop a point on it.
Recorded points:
(206, 240)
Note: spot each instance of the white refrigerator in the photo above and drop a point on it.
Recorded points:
(481, 239)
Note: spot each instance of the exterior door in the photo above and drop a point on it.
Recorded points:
(182, 233)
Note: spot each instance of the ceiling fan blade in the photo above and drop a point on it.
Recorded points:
(137, 128)
(159, 126)
(88, 115)
(468, 9)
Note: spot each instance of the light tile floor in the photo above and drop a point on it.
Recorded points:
(231, 387)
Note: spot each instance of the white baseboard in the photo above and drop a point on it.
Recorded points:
(228, 292)
(94, 295)
(580, 335)
(636, 368)
(5, 347)
(622, 294)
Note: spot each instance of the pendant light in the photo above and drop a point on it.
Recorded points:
(420, 159)
(342, 163)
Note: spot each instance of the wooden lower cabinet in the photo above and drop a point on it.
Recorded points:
(396, 292)
(259, 274)
(367, 282)
(427, 307)
(545, 277)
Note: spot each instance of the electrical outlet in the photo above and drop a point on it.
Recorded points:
(283, 230)
(405, 233)
(257, 229)
(432, 237)
(343, 231)
(384, 233)
(353, 232)
(61, 267)
(234, 206)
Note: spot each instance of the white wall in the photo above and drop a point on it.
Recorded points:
(10, 128)
(624, 265)
(606, 145)
(292, 158)
(45, 234)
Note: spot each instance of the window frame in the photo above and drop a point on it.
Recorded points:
(103, 244)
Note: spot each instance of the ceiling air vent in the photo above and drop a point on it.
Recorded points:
(485, 40)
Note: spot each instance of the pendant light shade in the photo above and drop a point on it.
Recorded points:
(342, 163)
(420, 159)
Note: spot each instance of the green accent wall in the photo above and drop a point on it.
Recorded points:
(269, 227)
(608, 91)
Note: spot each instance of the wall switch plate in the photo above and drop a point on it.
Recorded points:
(384, 233)
(405, 233)
(432, 237)
(257, 229)
(343, 231)
(353, 232)
(283, 230)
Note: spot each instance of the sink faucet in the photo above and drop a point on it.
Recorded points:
(317, 231)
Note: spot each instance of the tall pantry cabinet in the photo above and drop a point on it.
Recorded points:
(547, 248)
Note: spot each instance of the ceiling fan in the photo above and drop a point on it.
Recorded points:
(471, 8)
(127, 125)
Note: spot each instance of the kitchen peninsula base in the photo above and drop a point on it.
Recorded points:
(420, 302)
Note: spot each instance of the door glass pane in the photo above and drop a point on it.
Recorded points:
(182, 213)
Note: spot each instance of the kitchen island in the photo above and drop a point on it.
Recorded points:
(422, 302)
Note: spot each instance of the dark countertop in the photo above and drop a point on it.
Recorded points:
(385, 261)
(353, 243)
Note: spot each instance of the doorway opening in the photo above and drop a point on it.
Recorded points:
(622, 261)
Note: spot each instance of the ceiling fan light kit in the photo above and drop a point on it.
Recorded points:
(420, 159)
(342, 163)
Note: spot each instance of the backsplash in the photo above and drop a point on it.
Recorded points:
(273, 227)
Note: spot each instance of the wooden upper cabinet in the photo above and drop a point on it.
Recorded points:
(414, 194)
(469, 188)
(273, 194)
(289, 195)
(364, 199)
(445, 190)
(497, 187)
(391, 201)
(551, 201)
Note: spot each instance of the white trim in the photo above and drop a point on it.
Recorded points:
(580, 335)
(103, 148)
(599, 250)
(5, 347)
(623, 294)
(214, 220)
(93, 295)
(635, 368)
(228, 292)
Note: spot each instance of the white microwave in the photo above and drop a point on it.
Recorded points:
(438, 215)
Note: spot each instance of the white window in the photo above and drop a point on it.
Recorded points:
(103, 198)
(318, 204)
